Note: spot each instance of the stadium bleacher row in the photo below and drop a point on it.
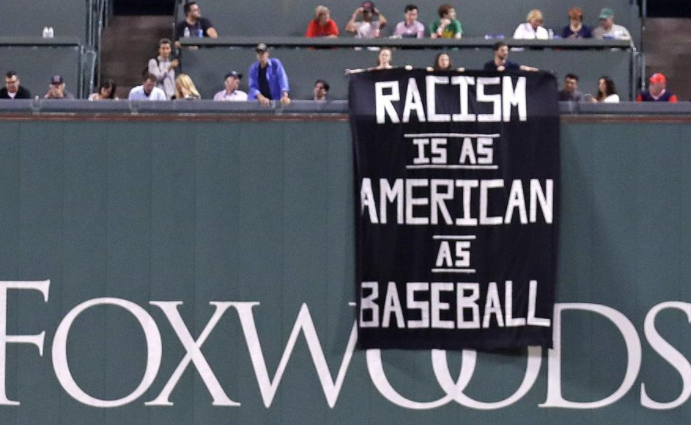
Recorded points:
(74, 52)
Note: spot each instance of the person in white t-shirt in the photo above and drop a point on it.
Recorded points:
(231, 92)
(367, 27)
(532, 28)
(148, 90)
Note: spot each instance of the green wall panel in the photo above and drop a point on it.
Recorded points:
(262, 212)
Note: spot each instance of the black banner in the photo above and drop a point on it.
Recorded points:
(457, 178)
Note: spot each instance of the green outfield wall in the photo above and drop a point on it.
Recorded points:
(193, 272)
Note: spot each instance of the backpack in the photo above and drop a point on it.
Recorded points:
(146, 70)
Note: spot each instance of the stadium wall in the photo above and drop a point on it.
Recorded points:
(257, 213)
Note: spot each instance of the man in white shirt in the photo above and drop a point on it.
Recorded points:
(231, 92)
(148, 90)
(163, 67)
(608, 29)
(367, 27)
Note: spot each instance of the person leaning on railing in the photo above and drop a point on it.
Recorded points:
(268, 79)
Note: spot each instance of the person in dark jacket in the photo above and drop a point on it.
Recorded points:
(657, 91)
(13, 89)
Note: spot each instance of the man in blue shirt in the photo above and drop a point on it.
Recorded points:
(267, 79)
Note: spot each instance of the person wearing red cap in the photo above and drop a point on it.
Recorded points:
(657, 91)
(367, 27)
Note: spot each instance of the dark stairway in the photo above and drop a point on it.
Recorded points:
(667, 49)
(128, 44)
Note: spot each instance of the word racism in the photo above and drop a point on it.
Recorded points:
(268, 386)
(388, 93)
(456, 179)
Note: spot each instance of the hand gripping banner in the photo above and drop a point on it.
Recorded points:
(457, 179)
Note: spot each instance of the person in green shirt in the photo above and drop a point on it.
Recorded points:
(447, 26)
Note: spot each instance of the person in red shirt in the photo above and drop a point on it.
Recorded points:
(322, 25)
(657, 91)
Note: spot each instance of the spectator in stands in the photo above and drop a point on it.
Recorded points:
(185, 88)
(576, 29)
(410, 27)
(501, 63)
(383, 62)
(148, 90)
(106, 91)
(657, 91)
(532, 29)
(384, 59)
(13, 89)
(322, 25)
(443, 63)
(231, 92)
(570, 91)
(56, 89)
(606, 91)
(163, 67)
(268, 79)
(608, 29)
(194, 25)
(321, 90)
(367, 27)
(447, 26)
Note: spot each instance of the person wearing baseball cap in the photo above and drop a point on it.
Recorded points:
(367, 27)
(56, 89)
(608, 29)
(268, 79)
(657, 91)
(231, 92)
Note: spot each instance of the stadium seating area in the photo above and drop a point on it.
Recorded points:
(74, 51)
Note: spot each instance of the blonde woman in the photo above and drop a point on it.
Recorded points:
(322, 25)
(532, 28)
(185, 89)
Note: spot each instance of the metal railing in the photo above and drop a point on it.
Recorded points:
(97, 12)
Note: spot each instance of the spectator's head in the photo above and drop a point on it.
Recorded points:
(164, 48)
(606, 18)
(658, 82)
(57, 82)
(535, 18)
(232, 81)
(576, 16)
(321, 89)
(192, 11)
(149, 83)
(384, 58)
(368, 9)
(322, 15)
(605, 87)
(411, 14)
(442, 62)
(570, 83)
(501, 50)
(262, 54)
(11, 82)
(107, 89)
(447, 11)
(185, 88)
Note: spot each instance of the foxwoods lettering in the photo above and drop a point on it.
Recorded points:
(456, 179)
(157, 349)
